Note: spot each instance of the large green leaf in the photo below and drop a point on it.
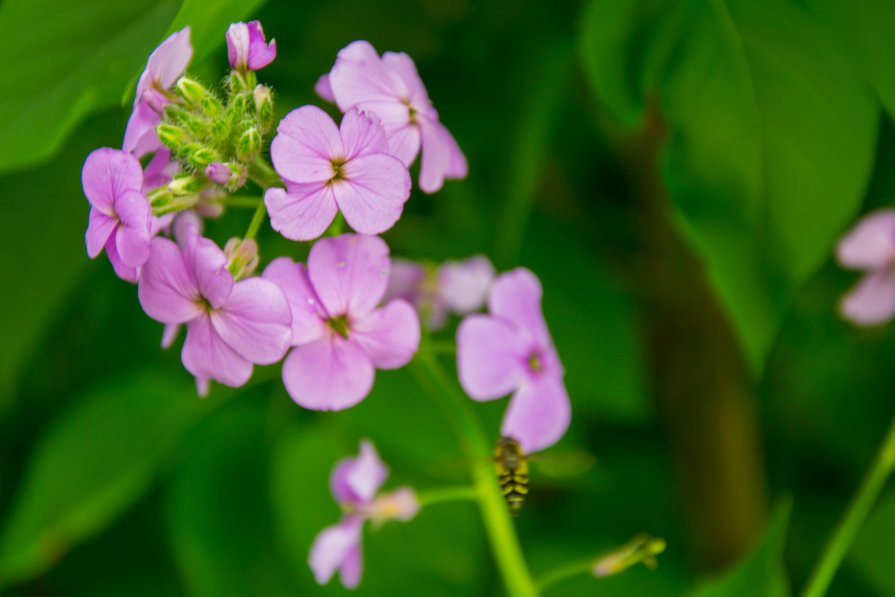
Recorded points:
(760, 105)
(94, 461)
(65, 60)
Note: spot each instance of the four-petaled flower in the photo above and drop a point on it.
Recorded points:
(355, 483)
(328, 168)
(339, 335)
(390, 87)
(119, 212)
(247, 48)
(230, 325)
(510, 350)
(870, 246)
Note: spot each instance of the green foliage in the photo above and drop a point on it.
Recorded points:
(872, 555)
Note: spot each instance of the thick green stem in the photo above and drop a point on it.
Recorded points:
(854, 517)
(495, 514)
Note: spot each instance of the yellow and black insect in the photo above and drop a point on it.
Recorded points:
(512, 472)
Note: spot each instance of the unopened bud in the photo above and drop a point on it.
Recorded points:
(242, 257)
(172, 137)
(238, 109)
(192, 91)
(198, 155)
(263, 106)
(641, 549)
(230, 174)
(238, 83)
(186, 184)
(163, 201)
(249, 145)
(194, 125)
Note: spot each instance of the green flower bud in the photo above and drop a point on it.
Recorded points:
(186, 184)
(194, 125)
(172, 137)
(263, 107)
(198, 156)
(249, 145)
(237, 109)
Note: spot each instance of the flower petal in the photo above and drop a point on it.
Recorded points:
(334, 546)
(490, 357)
(871, 243)
(442, 157)
(359, 76)
(107, 174)
(323, 89)
(872, 300)
(306, 144)
(463, 285)
(356, 480)
(390, 336)
(133, 235)
(404, 281)
(208, 266)
(352, 568)
(349, 273)
(99, 228)
(122, 270)
(328, 374)
(166, 63)
(404, 143)
(255, 321)
(140, 137)
(516, 297)
(539, 413)
(206, 355)
(167, 291)
(308, 317)
(362, 134)
(303, 212)
(374, 191)
(403, 65)
(160, 170)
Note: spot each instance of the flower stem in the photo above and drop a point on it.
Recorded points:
(566, 571)
(860, 506)
(241, 202)
(257, 218)
(263, 174)
(495, 514)
(447, 494)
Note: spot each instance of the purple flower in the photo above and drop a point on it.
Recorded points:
(458, 287)
(119, 212)
(870, 247)
(510, 350)
(230, 325)
(355, 483)
(339, 334)
(391, 88)
(247, 48)
(165, 65)
(328, 168)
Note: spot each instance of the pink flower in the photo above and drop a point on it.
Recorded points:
(457, 287)
(391, 88)
(870, 247)
(165, 65)
(230, 325)
(339, 335)
(355, 483)
(328, 168)
(247, 49)
(119, 212)
(510, 350)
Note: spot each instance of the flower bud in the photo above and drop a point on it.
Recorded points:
(263, 106)
(192, 91)
(400, 504)
(186, 184)
(249, 145)
(242, 257)
(230, 174)
(163, 201)
(238, 109)
(172, 137)
(194, 125)
(198, 156)
(641, 549)
(238, 83)
(218, 172)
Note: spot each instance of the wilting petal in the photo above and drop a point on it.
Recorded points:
(306, 144)
(304, 212)
(463, 285)
(108, 174)
(490, 357)
(206, 355)
(390, 336)
(442, 157)
(99, 228)
(362, 134)
(122, 270)
(516, 297)
(328, 374)
(255, 321)
(357, 480)
(872, 300)
(208, 265)
(133, 235)
(349, 273)
(333, 547)
(324, 89)
(871, 243)
(374, 191)
(539, 413)
(308, 317)
(168, 292)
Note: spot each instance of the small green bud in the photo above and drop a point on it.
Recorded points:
(164, 201)
(249, 145)
(237, 109)
(194, 125)
(242, 257)
(198, 156)
(185, 184)
(263, 106)
(192, 91)
(173, 137)
(237, 82)
(212, 107)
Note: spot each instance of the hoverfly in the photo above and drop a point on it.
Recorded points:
(512, 472)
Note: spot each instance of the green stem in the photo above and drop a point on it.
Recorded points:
(447, 494)
(860, 506)
(495, 514)
(263, 175)
(566, 571)
(444, 347)
(241, 202)
(257, 218)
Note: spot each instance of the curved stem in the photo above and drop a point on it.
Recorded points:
(495, 514)
(257, 218)
(566, 571)
(446, 494)
(854, 517)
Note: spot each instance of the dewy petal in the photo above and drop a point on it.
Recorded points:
(99, 228)
(442, 157)
(374, 191)
(871, 243)
(328, 374)
(205, 354)
(122, 270)
(333, 547)
(133, 235)
(166, 63)
(360, 76)
(362, 134)
(168, 292)
(255, 321)
(324, 89)
(303, 212)
(308, 317)
(491, 357)
(307, 142)
(208, 266)
(349, 273)
(463, 285)
(516, 297)
(872, 300)
(390, 336)
(108, 174)
(539, 413)
(357, 480)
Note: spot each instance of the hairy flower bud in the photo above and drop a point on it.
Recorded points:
(198, 156)
(192, 91)
(263, 106)
(249, 145)
(171, 136)
(194, 125)
(238, 109)
(242, 257)
(186, 184)
(230, 174)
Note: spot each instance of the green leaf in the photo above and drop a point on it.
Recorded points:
(759, 103)
(94, 461)
(761, 572)
(871, 553)
(73, 63)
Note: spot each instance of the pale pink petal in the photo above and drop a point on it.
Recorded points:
(308, 317)
(304, 212)
(356, 480)
(160, 170)
(872, 300)
(516, 297)
(374, 191)
(206, 355)
(349, 273)
(324, 89)
(169, 334)
(359, 76)
(404, 66)
(538, 414)
(334, 546)
(390, 336)
(871, 243)
(203, 386)
(404, 281)
(185, 224)
(490, 357)
(255, 321)
(208, 265)
(306, 144)
(352, 568)
(108, 174)
(99, 228)
(442, 157)
(362, 134)
(400, 504)
(168, 292)
(260, 52)
(328, 374)
(140, 137)
(122, 270)
(166, 63)
(463, 285)
(404, 143)
(132, 237)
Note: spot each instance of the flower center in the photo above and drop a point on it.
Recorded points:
(339, 325)
(411, 111)
(535, 362)
(338, 173)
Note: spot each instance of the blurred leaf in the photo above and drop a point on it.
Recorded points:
(65, 60)
(761, 572)
(92, 463)
(209, 21)
(759, 101)
(218, 510)
(871, 554)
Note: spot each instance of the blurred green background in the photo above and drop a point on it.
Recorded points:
(676, 172)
